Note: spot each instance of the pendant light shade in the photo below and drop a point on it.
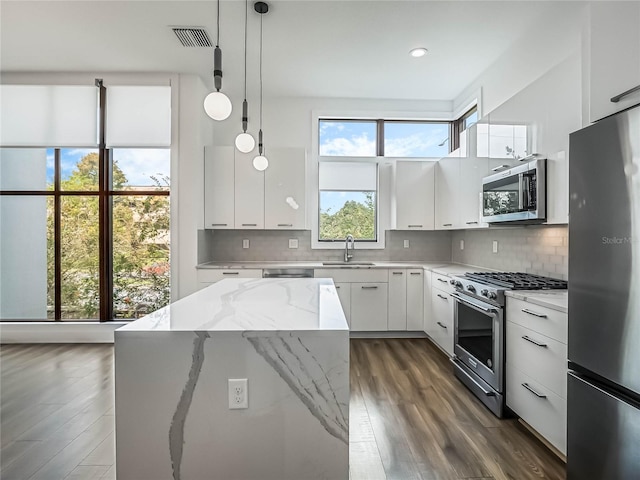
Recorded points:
(260, 162)
(217, 104)
(244, 141)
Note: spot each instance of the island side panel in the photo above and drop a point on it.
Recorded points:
(172, 416)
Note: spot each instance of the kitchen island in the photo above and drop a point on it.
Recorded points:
(287, 337)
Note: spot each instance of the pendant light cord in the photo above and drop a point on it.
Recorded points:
(218, 24)
(246, 9)
(261, 71)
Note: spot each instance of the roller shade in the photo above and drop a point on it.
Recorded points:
(348, 176)
(138, 116)
(48, 115)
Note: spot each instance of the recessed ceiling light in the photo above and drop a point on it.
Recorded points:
(418, 52)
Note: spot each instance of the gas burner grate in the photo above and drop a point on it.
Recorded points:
(518, 281)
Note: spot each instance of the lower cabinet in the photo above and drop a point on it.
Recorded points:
(344, 294)
(415, 299)
(440, 327)
(369, 307)
(397, 299)
(207, 276)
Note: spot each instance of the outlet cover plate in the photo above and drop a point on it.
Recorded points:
(406, 244)
(245, 243)
(293, 243)
(495, 246)
(238, 393)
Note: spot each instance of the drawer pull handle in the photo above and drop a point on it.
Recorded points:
(539, 395)
(249, 224)
(447, 224)
(440, 324)
(442, 296)
(415, 226)
(285, 224)
(397, 273)
(416, 273)
(337, 287)
(617, 98)
(219, 224)
(231, 273)
(371, 287)
(535, 314)
(442, 280)
(472, 223)
(529, 339)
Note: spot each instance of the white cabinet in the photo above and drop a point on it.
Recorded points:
(415, 299)
(614, 56)
(207, 276)
(413, 200)
(397, 299)
(369, 307)
(284, 189)
(536, 366)
(219, 187)
(344, 294)
(249, 193)
(458, 192)
(440, 324)
(427, 312)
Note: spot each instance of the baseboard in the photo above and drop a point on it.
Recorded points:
(387, 335)
(58, 332)
(543, 440)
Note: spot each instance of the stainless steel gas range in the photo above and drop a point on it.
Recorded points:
(479, 333)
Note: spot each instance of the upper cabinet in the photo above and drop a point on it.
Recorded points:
(613, 56)
(413, 202)
(284, 189)
(237, 196)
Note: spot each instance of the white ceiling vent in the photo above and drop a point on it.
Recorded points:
(192, 36)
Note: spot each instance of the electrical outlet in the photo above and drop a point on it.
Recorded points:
(293, 243)
(495, 246)
(461, 244)
(238, 393)
(406, 244)
(245, 243)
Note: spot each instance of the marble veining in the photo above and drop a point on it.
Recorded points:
(176, 430)
(302, 372)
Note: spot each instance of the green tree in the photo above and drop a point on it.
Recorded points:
(355, 218)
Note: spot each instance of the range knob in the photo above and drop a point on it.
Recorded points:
(471, 288)
(458, 284)
(484, 292)
(493, 295)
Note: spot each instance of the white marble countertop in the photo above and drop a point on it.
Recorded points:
(554, 299)
(251, 304)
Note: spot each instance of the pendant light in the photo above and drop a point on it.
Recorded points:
(244, 141)
(260, 162)
(217, 104)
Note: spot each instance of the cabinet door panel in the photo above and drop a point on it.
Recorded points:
(414, 195)
(219, 188)
(397, 299)
(415, 299)
(472, 170)
(249, 193)
(369, 307)
(344, 294)
(284, 189)
(447, 173)
(441, 328)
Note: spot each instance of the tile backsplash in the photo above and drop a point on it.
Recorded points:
(271, 245)
(542, 250)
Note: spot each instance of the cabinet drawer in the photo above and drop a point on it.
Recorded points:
(441, 330)
(350, 275)
(441, 282)
(546, 321)
(541, 358)
(212, 275)
(546, 413)
(369, 307)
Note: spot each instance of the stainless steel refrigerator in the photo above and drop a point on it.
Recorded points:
(603, 410)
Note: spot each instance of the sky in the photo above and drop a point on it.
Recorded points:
(138, 164)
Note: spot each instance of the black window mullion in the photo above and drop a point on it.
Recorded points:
(380, 139)
(57, 234)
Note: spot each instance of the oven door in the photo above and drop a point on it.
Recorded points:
(479, 338)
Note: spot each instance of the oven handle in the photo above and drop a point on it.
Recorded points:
(482, 389)
(473, 305)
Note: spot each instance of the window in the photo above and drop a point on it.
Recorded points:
(84, 232)
(416, 139)
(461, 124)
(348, 138)
(347, 201)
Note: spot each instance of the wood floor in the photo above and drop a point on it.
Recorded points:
(409, 417)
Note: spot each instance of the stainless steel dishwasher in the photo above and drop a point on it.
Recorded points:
(287, 273)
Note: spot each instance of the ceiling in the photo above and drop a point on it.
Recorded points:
(314, 48)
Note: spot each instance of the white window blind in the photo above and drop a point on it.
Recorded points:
(48, 115)
(138, 116)
(348, 176)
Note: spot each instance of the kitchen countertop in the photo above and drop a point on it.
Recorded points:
(554, 299)
(251, 304)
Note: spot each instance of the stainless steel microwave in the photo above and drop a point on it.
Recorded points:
(516, 195)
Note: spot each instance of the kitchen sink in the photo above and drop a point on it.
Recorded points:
(349, 264)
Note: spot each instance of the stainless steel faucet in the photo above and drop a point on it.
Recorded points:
(348, 256)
